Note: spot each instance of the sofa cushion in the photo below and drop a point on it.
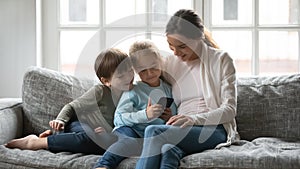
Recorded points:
(28, 159)
(260, 153)
(44, 93)
(269, 106)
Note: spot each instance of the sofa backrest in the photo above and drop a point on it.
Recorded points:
(44, 93)
(269, 107)
(266, 106)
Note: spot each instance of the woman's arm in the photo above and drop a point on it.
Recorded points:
(224, 101)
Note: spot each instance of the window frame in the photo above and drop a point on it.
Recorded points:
(50, 30)
(255, 28)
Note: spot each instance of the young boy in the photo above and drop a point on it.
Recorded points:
(96, 106)
(137, 108)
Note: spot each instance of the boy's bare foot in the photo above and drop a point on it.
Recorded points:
(30, 142)
(45, 133)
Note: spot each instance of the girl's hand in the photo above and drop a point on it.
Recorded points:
(153, 111)
(57, 125)
(99, 130)
(181, 120)
(166, 115)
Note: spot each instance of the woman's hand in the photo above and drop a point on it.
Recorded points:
(99, 130)
(153, 111)
(181, 120)
(57, 125)
(166, 115)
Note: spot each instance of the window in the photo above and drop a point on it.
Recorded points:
(85, 27)
(262, 36)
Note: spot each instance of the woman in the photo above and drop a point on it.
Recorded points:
(204, 88)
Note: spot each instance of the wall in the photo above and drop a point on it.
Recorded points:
(17, 44)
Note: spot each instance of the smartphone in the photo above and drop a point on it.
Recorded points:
(165, 101)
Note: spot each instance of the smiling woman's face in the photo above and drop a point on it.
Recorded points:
(182, 47)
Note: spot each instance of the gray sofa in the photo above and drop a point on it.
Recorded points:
(268, 121)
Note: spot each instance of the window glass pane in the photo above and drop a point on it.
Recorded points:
(278, 52)
(125, 13)
(279, 12)
(122, 39)
(79, 12)
(239, 46)
(163, 9)
(160, 41)
(232, 12)
(71, 45)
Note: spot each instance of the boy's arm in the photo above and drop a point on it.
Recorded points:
(84, 103)
(65, 114)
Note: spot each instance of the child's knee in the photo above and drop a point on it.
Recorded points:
(153, 130)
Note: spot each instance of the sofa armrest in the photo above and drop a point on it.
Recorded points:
(11, 119)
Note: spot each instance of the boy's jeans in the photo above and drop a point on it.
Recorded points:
(75, 139)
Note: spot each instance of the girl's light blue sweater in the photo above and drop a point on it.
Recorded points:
(131, 109)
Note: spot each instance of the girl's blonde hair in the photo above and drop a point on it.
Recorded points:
(143, 48)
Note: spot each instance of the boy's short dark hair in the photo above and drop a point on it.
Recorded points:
(108, 61)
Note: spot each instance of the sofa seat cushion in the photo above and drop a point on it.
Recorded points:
(260, 153)
(44, 93)
(25, 159)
